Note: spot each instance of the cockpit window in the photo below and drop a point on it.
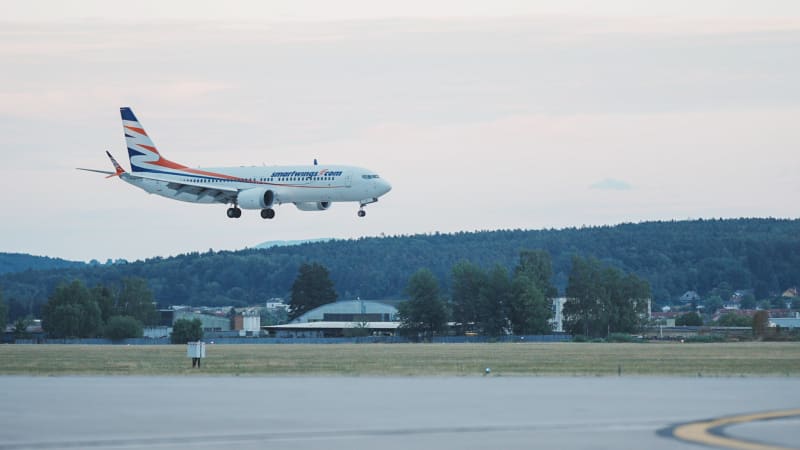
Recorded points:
(369, 177)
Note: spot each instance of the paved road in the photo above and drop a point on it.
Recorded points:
(382, 413)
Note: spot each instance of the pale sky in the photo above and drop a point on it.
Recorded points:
(482, 115)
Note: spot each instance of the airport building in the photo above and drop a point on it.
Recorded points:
(338, 319)
(790, 323)
(247, 322)
(211, 323)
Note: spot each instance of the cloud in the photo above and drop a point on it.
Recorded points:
(611, 184)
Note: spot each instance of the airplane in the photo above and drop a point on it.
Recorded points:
(309, 188)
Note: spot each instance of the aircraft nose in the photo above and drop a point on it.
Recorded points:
(384, 186)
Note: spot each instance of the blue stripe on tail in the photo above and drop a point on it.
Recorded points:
(127, 114)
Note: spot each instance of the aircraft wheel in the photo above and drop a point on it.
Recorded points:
(234, 213)
(238, 212)
(268, 213)
(362, 213)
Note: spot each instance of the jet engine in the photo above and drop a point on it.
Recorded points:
(313, 206)
(256, 198)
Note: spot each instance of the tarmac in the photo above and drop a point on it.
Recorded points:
(480, 412)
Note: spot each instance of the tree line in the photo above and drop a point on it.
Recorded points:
(601, 299)
(674, 257)
(76, 311)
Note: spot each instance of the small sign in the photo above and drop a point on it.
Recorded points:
(196, 349)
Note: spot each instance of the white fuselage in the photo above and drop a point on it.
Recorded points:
(290, 184)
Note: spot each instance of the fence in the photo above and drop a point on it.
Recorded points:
(341, 340)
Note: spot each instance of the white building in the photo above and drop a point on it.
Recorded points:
(248, 322)
(275, 305)
(557, 322)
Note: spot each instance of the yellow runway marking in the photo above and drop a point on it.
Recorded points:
(701, 432)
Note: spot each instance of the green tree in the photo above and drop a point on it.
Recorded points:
(122, 327)
(312, 288)
(494, 302)
(723, 291)
(469, 280)
(532, 293)
(538, 266)
(582, 310)
(185, 330)
(712, 304)
(274, 317)
(424, 314)
(105, 301)
(760, 323)
(529, 310)
(603, 300)
(21, 328)
(777, 303)
(748, 301)
(624, 301)
(136, 300)
(71, 311)
(690, 319)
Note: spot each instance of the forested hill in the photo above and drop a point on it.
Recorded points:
(762, 254)
(18, 262)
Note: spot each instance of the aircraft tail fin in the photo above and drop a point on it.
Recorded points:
(141, 149)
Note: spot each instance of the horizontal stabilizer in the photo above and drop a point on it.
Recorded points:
(118, 170)
(106, 172)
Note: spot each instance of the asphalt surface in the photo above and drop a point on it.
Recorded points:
(479, 412)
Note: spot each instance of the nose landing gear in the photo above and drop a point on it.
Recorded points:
(363, 203)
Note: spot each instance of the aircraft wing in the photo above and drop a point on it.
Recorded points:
(200, 190)
(220, 195)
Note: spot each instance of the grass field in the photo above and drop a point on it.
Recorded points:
(591, 359)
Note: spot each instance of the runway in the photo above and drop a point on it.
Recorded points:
(388, 413)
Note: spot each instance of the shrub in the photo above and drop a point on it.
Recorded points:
(122, 327)
(185, 330)
(705, 339)
(735, 320)
(689, 319)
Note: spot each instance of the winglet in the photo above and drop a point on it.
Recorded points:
(119, 170)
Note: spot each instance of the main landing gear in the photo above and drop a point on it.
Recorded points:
(234, 212)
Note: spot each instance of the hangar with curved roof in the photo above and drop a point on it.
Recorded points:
(346, 318)
(350, 311)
